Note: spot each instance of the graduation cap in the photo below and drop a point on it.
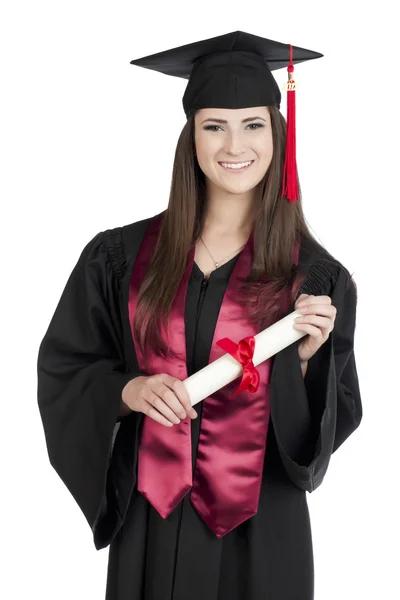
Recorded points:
(234, 71)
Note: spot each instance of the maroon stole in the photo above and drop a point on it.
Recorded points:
(225, 487)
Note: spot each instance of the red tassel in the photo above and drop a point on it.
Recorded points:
(289, 183)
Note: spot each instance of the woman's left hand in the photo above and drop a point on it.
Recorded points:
(318, 322)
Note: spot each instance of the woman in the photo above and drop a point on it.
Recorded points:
(216, 510)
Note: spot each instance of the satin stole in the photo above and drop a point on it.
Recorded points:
(226, 484)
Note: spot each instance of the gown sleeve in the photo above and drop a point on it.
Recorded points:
(314, 415)
(81, 374)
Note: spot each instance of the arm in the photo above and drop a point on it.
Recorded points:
(315, 412)
(81, 375)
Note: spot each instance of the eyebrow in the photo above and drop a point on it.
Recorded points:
(244, 120)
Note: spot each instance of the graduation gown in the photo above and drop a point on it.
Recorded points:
(85, 359)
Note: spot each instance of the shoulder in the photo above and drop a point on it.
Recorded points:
(325, 271)
(121, 242)
(122, 233)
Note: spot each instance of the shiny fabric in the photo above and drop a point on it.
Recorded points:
(85, 359)
(243, 352)
(226, 484)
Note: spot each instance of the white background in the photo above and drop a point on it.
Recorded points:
(87, 144)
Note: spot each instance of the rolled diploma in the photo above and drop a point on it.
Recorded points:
(225, 369)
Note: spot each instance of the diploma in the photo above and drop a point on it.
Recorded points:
(225, 369)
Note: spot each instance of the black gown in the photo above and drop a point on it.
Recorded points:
(85, 359)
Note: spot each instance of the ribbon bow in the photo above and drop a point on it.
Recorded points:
(243, 352)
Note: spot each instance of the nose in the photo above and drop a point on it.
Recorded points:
(234, 145)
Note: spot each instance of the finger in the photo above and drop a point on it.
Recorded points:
(171, 400)
(314, 331)
(159, 404)
(184, 398)
(179, 400)
(302, 297)
(320, 309)
(318, 321)
(151, 412)
(316, 300)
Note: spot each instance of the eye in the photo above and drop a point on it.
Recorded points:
(257, 125)
(212, 127)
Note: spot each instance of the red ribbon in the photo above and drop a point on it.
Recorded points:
(243, 352)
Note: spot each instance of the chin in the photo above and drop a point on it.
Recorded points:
(237, 189)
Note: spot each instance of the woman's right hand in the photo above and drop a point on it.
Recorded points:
(161, 397)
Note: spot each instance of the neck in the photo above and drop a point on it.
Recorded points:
(229, 214)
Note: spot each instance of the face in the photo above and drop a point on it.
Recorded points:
(234, 136)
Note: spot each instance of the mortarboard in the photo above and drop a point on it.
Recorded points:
(234, 71)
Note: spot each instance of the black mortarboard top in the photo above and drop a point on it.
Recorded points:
(234, 71)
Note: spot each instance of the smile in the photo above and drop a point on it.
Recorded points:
(236, 167)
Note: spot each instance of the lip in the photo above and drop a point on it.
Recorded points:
(235, 163)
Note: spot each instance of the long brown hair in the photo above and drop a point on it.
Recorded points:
(277, 226)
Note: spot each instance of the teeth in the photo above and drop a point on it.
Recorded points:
(235, 166)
